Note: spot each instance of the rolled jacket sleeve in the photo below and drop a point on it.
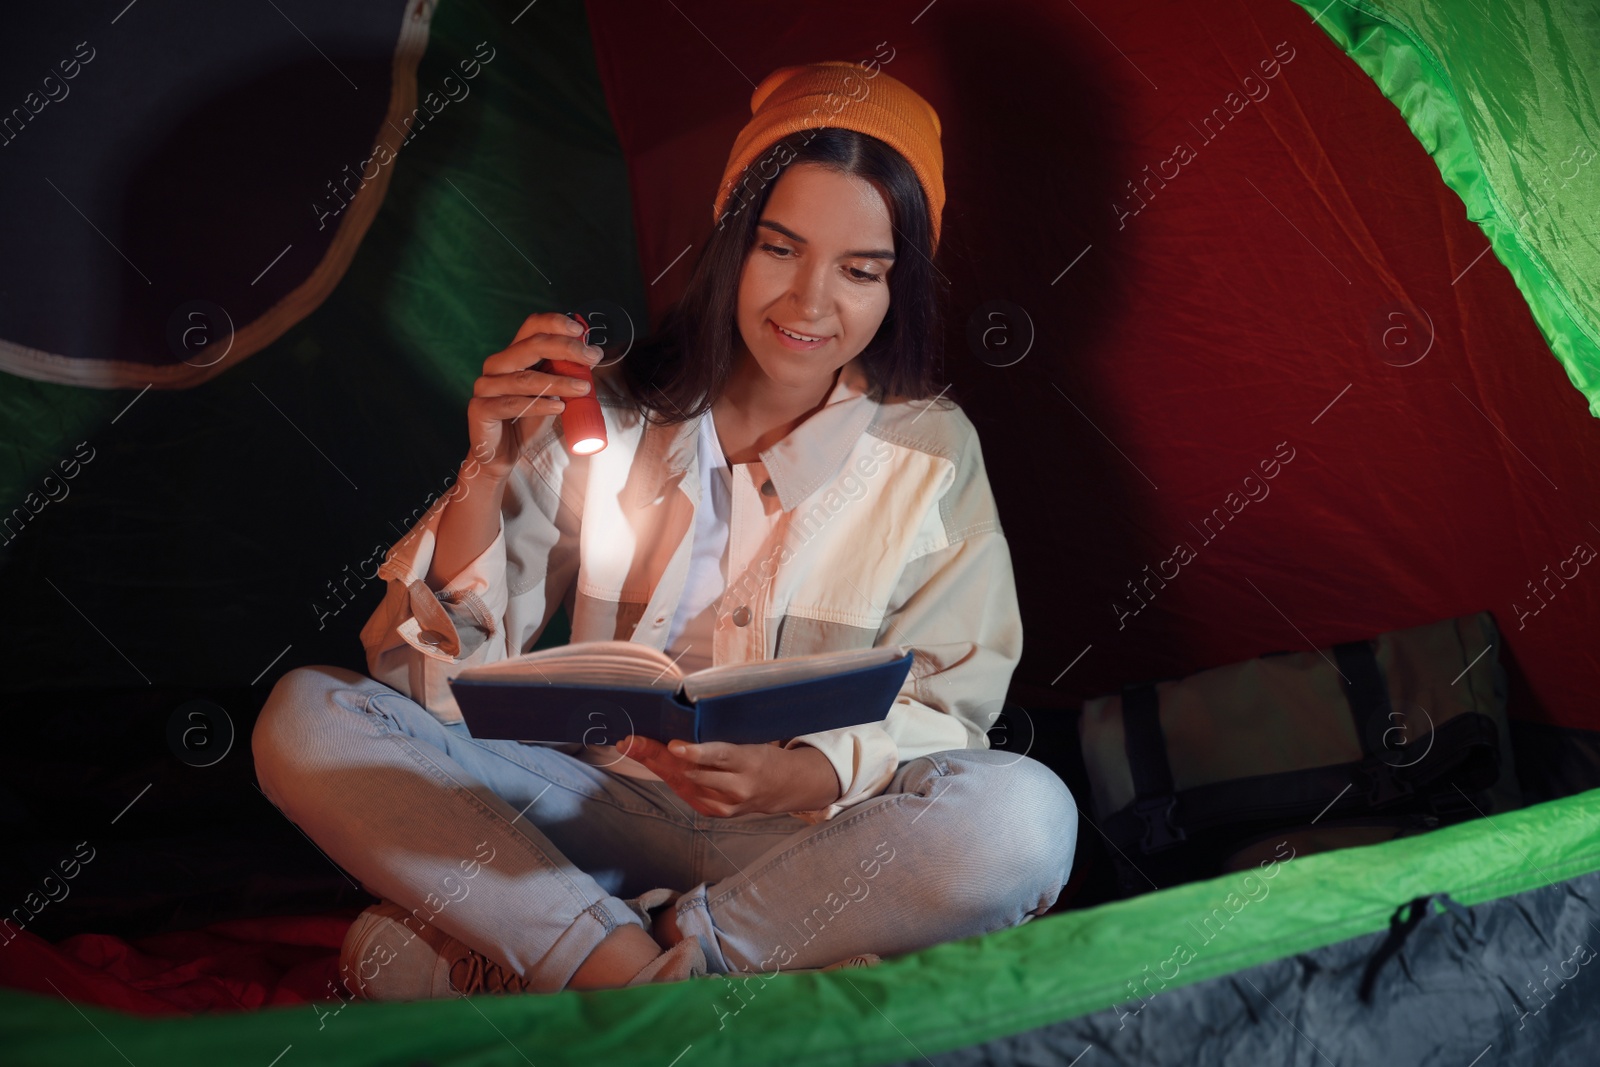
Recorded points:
(419, 638)
(455, 621)
(956, 608)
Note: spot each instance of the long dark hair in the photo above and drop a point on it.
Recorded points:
(681, 368)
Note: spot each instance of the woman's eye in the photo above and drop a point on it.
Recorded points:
(864, 276)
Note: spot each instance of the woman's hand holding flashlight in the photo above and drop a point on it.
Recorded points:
(512, 399)
(511, 404)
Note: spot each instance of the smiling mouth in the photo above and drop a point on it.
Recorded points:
(796, 336)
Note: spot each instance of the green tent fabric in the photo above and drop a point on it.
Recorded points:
(949, 996)
(1505, 95)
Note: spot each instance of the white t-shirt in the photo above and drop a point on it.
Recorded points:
(708, 559)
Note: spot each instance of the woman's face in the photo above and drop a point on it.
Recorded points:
(820, 268)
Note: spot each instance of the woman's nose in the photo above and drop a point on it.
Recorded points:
(810, 292)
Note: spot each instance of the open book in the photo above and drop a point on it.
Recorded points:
(598, 692)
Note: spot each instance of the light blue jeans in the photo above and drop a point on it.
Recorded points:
(524, 852)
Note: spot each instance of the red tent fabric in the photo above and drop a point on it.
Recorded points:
(1245, 296)
(227, 966)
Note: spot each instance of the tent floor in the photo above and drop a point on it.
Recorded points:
(202, 892)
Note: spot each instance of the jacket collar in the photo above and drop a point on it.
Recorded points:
(799, 465)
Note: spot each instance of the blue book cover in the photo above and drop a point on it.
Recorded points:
(598, 692)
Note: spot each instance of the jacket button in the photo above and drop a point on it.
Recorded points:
(767, 488)
(430, 637)
(741, 615)
(660, 619)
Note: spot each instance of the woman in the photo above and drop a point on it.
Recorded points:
(776, 483)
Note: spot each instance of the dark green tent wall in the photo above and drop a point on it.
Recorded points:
(1419, 160)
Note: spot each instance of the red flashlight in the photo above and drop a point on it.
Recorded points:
(582, 423)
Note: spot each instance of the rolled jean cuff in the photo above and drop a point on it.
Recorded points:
(612, 912)
(694, 920)
(593, 925)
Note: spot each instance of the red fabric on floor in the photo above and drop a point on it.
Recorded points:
(227, 966)
(1300, 277)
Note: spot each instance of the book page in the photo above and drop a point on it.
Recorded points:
(738, 677)
(606, 663)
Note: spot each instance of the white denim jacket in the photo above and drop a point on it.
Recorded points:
(876, 525)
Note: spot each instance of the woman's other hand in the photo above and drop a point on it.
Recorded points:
(721, 779)
(512, 398)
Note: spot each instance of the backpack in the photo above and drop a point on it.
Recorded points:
(1307, 751)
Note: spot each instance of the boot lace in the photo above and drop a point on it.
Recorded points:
(476, 973)
(865, 959)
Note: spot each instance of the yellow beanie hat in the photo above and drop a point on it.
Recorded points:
(850, 96)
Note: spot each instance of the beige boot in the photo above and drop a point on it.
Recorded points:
(683, 960)
(415, 961)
